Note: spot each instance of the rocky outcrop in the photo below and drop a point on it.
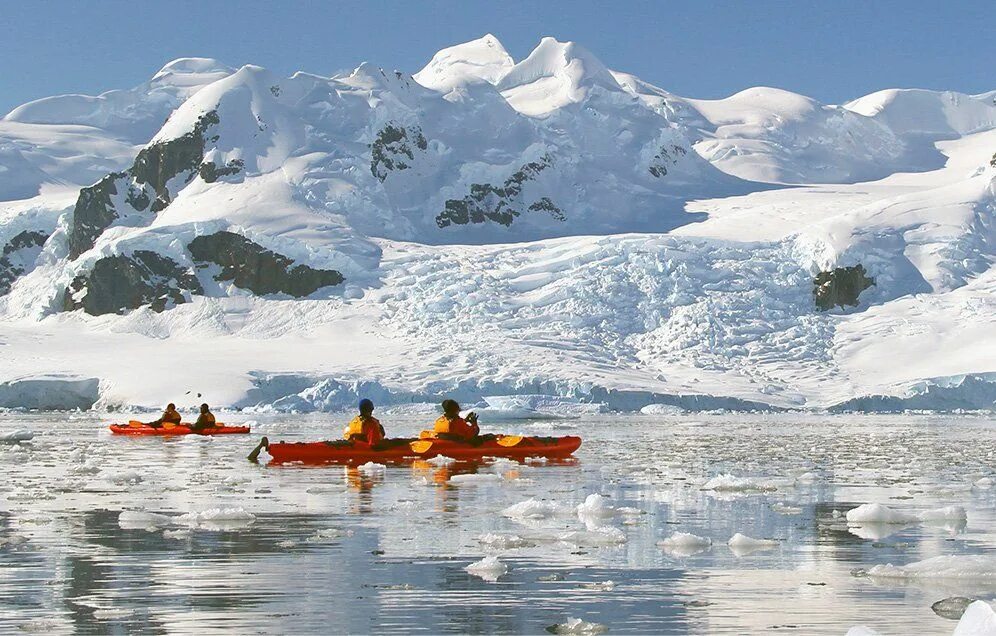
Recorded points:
(160, 162)
(145, 184)
(13, 257)
(251, 266)
(840, 287)
(501, 204)
(94, 213)
(394, 149)
(120, 283)
(992, 162)
(666, 156)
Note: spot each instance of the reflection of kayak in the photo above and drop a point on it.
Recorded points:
(179, 429)
(399, 450)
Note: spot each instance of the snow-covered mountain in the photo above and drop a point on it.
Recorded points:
(492, 226)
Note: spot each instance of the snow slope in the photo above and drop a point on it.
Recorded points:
(487, 227)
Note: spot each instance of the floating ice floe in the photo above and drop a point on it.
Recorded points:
(110, 613)
(742, 545)
(15, 436)
(475, 478)
(532, 509)
(577, 626)
(978, 620)
(952, 607)
(685, 544)
(127, 477)
(489, 568)
(984, 483)
(594, 536)
(732, 484)
(372, 468)
(875, 521)
(327, 534)
(141, 520)
(504, 541)
(960, 566)
(862, 630)
(218, 519)
(440, 460)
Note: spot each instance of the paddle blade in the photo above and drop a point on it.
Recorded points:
(421, 446)
(509, 440)
(135, 423)
(168, 425)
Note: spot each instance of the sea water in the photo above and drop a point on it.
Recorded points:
(668, 524)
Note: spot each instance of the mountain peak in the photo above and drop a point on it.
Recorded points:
(480, 60)
(555, 74)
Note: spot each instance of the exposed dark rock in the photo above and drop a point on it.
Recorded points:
(500, 204)
(155, 165)
(840, 287)
(668, 155)
(394, 149)
(992, 162)
(251, 266)
(119, 283)
(145, 182)
(10, 267)
(94, 213)
(210, 172)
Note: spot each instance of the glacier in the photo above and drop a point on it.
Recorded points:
(492, 228)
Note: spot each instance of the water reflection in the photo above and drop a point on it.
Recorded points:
(353, 549)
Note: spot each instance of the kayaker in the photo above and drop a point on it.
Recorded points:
(364, 427)
(451, 426)
(204, 420)
(169, 416)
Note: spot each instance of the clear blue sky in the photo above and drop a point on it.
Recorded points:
(833, 51)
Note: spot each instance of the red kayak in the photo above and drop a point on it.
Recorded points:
(179, 429)
(400, 450)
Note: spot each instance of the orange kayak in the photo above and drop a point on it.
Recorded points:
(179, 429)
(400, 450)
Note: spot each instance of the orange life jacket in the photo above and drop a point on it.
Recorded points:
(457, 427)
(367, 429)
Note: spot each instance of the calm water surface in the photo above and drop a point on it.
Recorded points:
(331, 549)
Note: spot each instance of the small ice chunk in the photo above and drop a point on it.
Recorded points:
(475, 478)
(862, 630)
(961, 566)
(503, 541)
(742, 545)
(372, 468)
(595, 506)
(489, 568)
(732, 483)
(15, 436)
(440, 460)
(577, 626)
(686, 543)
(806, 478)
(109, 613)
(218, 519)
(945, 514)
(126, 477)
(952, 607)
(326, 534)
(531, 509)
(178, 534)
(985, 483)
(978, 620)
(595, 536)
(141, 520)
(877, 513)
(603, 586)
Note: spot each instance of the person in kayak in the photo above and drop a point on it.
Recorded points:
(451, 426)
(364, 427)
(169, 416)
(204, 420)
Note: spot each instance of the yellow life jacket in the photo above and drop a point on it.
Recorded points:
(355, 427)
(442, 425)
